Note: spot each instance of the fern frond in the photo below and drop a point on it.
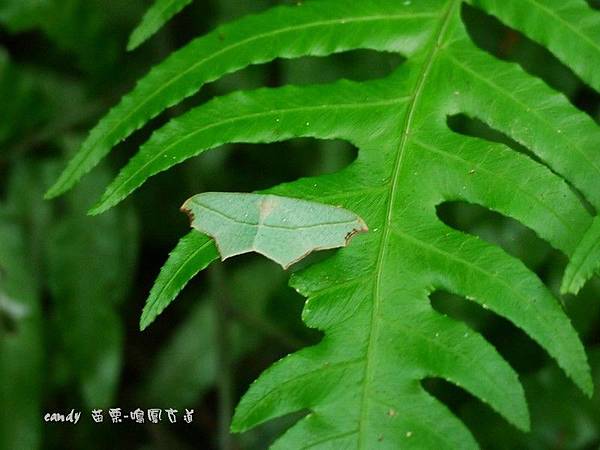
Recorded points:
(193, 253)
(567, 28)
(266, 115)
(158, 14)
(316, 28)
(585, 260)
(371, 299)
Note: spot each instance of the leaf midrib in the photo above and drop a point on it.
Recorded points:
(411, 110)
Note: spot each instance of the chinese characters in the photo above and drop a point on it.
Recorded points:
(151, 415)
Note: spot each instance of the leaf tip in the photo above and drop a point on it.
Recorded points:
(54, 191)
(145, 320)
(134, 41)
(587, 385)
(570, 285)
(523, 419)
(583, 378)
(238, 423)
(101, 206)
(95, 210)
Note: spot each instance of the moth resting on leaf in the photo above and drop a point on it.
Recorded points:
(281, 228)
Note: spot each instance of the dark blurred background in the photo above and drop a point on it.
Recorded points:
(72, 287)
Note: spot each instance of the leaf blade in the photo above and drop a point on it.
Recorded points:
(155, 18)
(575, 39)
(193, 253)
(584, 262)
(371, 299)
(210, 57)
(257, 116)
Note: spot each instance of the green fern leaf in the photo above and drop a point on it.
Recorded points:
(323, 28)
(158, 14)
(584, 262)
(568, 28)
(362, 381)
(194, 253)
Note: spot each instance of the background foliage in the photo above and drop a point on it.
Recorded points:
(72, 286)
